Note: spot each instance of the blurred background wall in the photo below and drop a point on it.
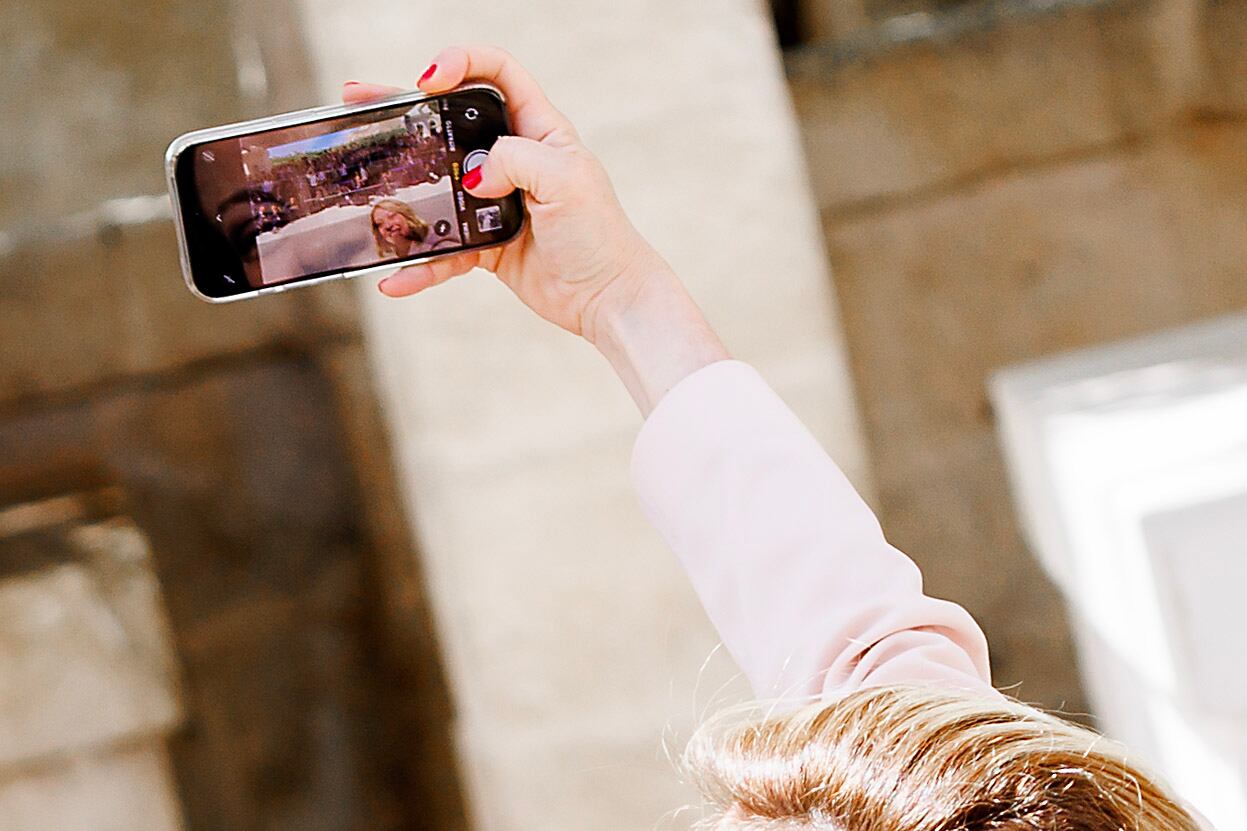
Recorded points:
(325, 561)
(230, 461)
(999, 183)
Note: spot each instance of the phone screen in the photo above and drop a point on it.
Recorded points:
(307, 201)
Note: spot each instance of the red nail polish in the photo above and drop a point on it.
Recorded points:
(350, 83)
(472, 178)
(428, 73)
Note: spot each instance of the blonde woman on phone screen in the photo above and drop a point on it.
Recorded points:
(396, 229)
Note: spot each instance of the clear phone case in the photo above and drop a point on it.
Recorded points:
(314, 114)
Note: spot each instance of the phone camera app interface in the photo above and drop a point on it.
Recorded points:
(352, 192)
(489, 219)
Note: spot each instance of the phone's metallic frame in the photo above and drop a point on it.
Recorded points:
(291, 119)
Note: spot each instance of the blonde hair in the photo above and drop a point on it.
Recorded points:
(417, 228)
(922, 759)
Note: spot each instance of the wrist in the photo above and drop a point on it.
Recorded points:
(649, 328)
(626, 296)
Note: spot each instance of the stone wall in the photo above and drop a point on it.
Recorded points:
(1004, 191)
(244, 445)
(89, 694)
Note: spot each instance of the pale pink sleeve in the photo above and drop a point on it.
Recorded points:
(789, 562)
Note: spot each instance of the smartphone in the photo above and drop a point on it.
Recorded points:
(335, 192)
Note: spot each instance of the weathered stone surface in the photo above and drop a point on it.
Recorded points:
(116, 82)
(238, 478)
(1224, 33)
(141, 317)
(938, 294)
(935, 112)
(123, 790)
(1152, 53)
(600, 769)
(213, 421)
(641, 631)
(99, 90)
(1036, 89)
(120, 559)
(419, 711)
(75, 670)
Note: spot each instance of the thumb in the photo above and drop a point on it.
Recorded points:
(547, 174)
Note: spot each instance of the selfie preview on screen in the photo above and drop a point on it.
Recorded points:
(351, 192)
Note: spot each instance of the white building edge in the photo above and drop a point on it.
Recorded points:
(1129, 467)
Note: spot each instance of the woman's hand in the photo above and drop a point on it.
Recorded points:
(578, 248)
(579, 263)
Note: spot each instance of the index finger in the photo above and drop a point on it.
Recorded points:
(357, 92)
(533, 115)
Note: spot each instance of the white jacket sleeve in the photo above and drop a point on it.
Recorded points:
(789, 562)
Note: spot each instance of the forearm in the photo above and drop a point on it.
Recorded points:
(652, 332)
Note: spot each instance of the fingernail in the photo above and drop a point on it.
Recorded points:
(428, 73)
(472, 178)
(381, 285)
(350, 83)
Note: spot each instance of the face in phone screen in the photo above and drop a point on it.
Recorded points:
(351, 192)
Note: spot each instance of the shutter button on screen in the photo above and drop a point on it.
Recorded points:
(474, 160)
